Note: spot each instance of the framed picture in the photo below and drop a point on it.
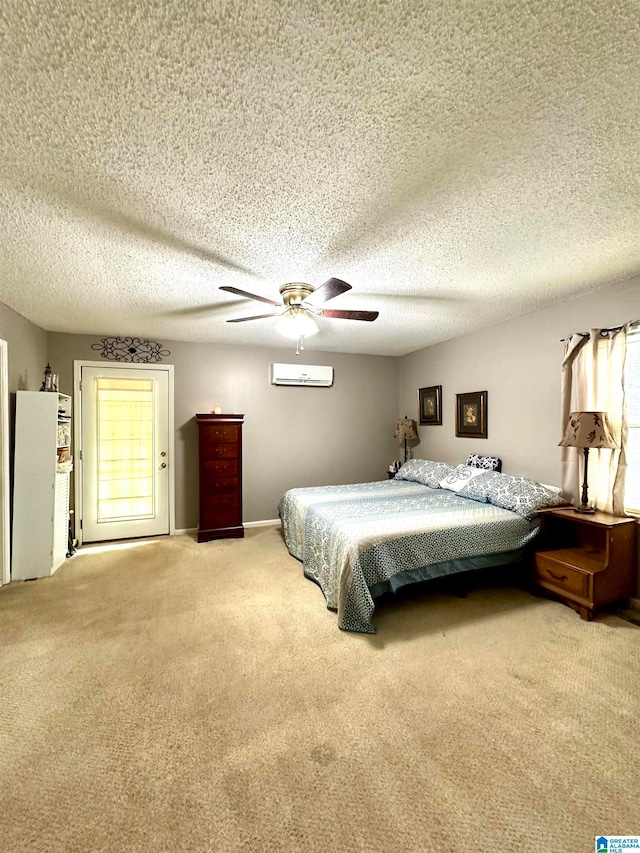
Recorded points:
(471, 415)
(430, 404)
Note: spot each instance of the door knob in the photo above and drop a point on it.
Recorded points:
(162, 453)
(164, 465)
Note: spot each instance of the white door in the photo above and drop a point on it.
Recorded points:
(125, 459)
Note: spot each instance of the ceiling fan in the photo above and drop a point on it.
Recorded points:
(299, 305)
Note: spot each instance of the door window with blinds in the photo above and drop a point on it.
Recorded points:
(125, 452)
(125, 448)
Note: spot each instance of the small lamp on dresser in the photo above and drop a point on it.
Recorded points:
(587, 430)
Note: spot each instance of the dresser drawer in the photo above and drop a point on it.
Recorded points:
(220, 503)
(216, 467)
(218, 450)
(218, 484)
(561, 576)
(219, 517)
(219, 432)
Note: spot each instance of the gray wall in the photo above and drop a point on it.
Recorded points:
(305, 436)
(292, 436)
(27, 347)
(27, 358)
(518, 363)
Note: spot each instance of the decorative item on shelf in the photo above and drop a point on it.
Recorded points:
(587, 430)
(406, 430)
(47, 381)
(471, 415)
(430, 404)
(64, 434)
(136, 350)
(65, 466)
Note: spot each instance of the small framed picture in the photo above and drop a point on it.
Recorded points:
(471, 415)
(430, 404)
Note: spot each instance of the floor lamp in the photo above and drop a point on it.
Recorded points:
(587, 430)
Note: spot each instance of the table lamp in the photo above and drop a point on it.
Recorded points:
(587, 430)
(406, 429)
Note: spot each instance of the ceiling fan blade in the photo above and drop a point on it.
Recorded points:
(257, 317)
(368, 316)
(250, 295)
(332, 287)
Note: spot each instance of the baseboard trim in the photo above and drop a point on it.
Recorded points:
(193, 531)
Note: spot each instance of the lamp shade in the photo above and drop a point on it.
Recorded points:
(296, 322)
(588, 429)
(406, 428)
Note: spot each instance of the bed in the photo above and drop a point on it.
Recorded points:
(359, 541)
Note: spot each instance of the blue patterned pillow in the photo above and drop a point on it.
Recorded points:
(424, 471)
(526, 497)
(490, 463)
(478, 488)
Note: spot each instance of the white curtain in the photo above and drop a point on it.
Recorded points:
(593, 381)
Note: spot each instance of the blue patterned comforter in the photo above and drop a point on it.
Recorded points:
(350, 538)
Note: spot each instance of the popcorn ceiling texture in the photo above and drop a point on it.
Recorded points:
(459, 163)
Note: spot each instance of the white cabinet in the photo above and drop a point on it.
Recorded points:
(42, 464)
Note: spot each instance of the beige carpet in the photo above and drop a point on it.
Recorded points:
(180, 697)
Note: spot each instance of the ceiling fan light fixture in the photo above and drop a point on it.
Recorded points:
(296, 323)
(301, 301)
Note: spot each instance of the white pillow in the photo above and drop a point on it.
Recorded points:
(555, 489)
(458, 479)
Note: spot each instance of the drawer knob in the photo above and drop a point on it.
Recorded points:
(556, 577)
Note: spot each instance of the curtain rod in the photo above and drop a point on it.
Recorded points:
(603, 332)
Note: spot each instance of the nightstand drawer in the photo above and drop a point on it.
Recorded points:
(561, 576)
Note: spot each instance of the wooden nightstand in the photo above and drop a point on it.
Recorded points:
(586, 560)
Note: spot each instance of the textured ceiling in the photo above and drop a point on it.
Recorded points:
(458, 163)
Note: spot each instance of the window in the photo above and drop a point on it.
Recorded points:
(632, 387)
(125, 448)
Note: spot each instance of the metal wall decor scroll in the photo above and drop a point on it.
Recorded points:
(136, 350)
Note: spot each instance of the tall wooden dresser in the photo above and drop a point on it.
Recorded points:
(220, 472)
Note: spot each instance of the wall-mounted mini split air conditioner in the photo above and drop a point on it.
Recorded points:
(317, 375)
